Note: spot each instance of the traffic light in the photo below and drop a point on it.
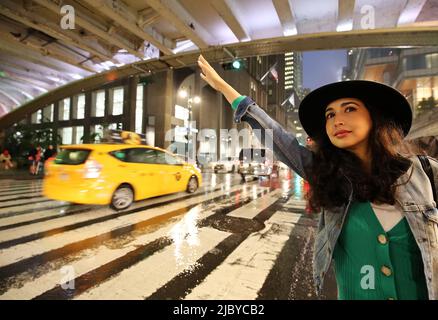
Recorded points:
(236, 65)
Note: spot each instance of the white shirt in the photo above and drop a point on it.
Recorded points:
(388, 215)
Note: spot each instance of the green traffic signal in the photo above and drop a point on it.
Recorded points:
(237, 64)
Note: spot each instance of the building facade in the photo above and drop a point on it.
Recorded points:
(153, 105)
(413, 71)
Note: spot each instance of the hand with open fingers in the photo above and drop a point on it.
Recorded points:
(209, 74)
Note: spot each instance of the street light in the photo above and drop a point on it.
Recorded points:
(183, 93)
(196, 100)
(187, 94)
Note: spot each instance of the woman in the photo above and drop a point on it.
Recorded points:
(379, 222)
(5, 157)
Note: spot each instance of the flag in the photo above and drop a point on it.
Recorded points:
(273, 72)
(292, 99)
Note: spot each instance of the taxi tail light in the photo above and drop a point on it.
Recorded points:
(92, 169)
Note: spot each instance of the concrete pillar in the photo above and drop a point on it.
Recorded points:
(169, 98)
(160, 98)
(129, 107)
(87, 114)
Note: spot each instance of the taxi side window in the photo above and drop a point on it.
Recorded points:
(138, 155)
(119, 154)
(134, 155)
(150, 156)
(165, 158)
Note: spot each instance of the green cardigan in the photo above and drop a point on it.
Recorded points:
(371, 264)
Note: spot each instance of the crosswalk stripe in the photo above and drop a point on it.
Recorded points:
(82, 219)
(142, 279)
(19, 193)
(20, 187)
(21, 197)
(54, 205)
(25, 251)
(46, 242)
(203, 214)
(90, 260)
(242, 274)
(35, 205)
(180, 286)
(36, 217)
(39, 216)
(251, 210)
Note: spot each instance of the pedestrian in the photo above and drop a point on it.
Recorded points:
(6, 159)
(49, 152)
(378, 221)
(307, 191)
(38, 160)
(31, 158)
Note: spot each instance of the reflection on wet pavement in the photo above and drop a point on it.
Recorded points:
(252, 235)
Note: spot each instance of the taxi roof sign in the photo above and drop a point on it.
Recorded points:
(125, 137)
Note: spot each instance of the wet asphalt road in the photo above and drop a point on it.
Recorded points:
(229, 240)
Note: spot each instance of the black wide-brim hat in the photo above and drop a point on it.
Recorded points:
(392, 104)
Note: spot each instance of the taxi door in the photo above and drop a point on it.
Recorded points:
(174, 176)
(144, 172)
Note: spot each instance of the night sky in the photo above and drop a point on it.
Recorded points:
(322, 67)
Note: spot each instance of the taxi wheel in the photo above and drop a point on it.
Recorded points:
(192, 186)
(122, 198)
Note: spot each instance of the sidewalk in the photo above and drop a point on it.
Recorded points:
(18, 174)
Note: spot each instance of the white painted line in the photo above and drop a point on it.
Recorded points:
(29, 249)
(243, 273)
(17, 196)
(34, 206)
(250, 210)
(89, 260)
(144, 278)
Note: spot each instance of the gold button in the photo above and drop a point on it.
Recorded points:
(391, 298)
(386, 271)
(382, 239)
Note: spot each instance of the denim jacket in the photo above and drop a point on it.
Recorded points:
(414, 195)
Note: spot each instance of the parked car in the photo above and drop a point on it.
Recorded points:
(227, 165)
(255, 162)
(116, 174)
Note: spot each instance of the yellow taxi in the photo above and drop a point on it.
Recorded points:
(116, 174)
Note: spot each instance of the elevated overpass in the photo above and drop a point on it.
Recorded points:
(43, 60)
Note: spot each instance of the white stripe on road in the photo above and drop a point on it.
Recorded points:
(24, 186)
(90, 259)
(29, 249)
(32, 206)
(250, 210)
(63, 220)
(144, 278)
(17, 202)
(52, 213)
(243, 273)
(18, 196)
(60, 212)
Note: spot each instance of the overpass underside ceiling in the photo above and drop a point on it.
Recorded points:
(46, 45)
(425, 36)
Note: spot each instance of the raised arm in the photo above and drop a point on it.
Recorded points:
(285, 145)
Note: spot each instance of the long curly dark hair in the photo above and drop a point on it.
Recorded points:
(333, 167)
